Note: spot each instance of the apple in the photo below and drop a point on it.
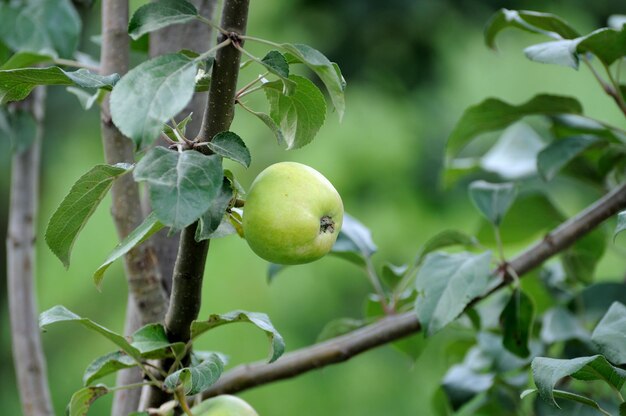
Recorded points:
(224, 405)
(292, 214)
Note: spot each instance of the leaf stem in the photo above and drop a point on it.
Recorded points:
(182, 401)
(248, 85)
(375, 281)
(498, 235)
(214, 49)
(265, 41)
(619, 98)
(212, 25)
(75, 64)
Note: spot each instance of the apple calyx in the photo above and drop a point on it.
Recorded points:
(327, 225)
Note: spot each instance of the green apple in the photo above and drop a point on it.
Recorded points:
(224, 405)
(292, 214)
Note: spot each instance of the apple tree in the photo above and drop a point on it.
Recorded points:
(292, 214)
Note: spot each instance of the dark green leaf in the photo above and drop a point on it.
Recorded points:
(557, 52)
(271, 124)
(140, 234)
(608, 45)
(516, 321)
(159, 14)
(493, 200)
(298, 116)
(19, 127)
(444, 239)
(566, 395)
(260, 320)
(621, 224)
(548, 371)
(107, 364)
(622, 409)
(327, 71)
(530, 21)
(566, 125)
(152, 342)
(216, 214)
(581, 259)
(276, 63)
(24, 59)
(230, 145)
(446, 283)
(391, 274)
(493, 114)
(593, 301)
(151, 94)
(354, 242)
(196, 379)
(610, 334)
(514, 155)
(82, 400)
(41, 26)
(559, 324)
(558, 153)
(61, 314)
(182, 184)
(76, 208)
(16, 84)
(339, 327)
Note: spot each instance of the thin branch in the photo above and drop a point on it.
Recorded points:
(28, 357)
(188, 272)
(392, 328)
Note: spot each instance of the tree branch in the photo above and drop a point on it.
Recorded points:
(142, 273)
(28, 357)
(188, 272)
(392, 328)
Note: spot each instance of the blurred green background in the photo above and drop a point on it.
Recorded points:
(411, 67)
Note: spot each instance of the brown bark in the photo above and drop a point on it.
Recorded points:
(28, 358)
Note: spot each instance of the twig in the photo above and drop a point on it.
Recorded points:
(392, 328)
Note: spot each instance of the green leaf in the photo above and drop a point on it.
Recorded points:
(260, 320)
(621, 224)
(271, 124)
(581, 259)
(61, 314)
(196, 379)
(558, 153)
(22, 59)
(514, 155)
(516, 321)
(16, 84)
(151, 341)
(493, 200)
(85, 99)
(566, 395)
(566, 125)
(327, 71)
(339, 327)
(559, 324)
(180, 126)
(216, 215)
(82, 400)
(446, 283)
(276, 63)
(182, 184)
(493, 114)
(77, 207)
(548, 371)
(147, 228)
(19, 127)
(557, 52)
(610, 334)
(40, 26)
(230, 145)
(152, 93)
(608, 45)
(354, 242)
(462, 383)
(298, 116)
(594, 300)
(444, 239)
(159, 14)
(107, 364)
(530, 21)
